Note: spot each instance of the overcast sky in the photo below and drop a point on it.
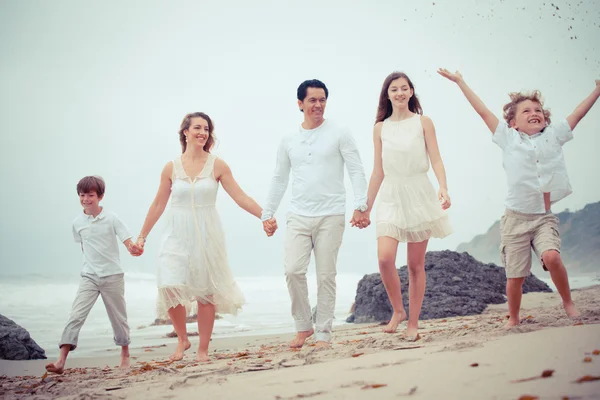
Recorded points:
(101, 88)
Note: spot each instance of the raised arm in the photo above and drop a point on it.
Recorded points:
(377, 174)
(435, 157)
(584, 107)
(158, 205)
(488, 117)
(223, 174)
(279, 182)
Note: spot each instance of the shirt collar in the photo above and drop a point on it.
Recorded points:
(99, 216)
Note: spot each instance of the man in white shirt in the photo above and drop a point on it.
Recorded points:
(537, 177)
(315, 155)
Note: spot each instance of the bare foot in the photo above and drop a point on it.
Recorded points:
(57, 367)
(412, 334)
(125, 365)
(571, 310)
(397, 318)
(301, 338)
(181, 348)
(511, 323)
(202, 356)
(321, 344)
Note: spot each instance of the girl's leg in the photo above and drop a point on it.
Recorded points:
(416, 285)
(387, 249)
(206, 322)
(178, 316)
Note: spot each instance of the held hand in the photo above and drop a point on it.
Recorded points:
(270, 226)
(360, 219)
(141, 241)
(135, 250)
(444, 199)
(454, 77)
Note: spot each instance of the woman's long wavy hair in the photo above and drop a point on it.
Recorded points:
(384, 109)
(185, 125)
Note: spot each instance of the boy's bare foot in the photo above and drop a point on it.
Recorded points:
(511, 323)
(571, 310)
(301, 338)
(202, 356)
(397, 318)
(125, 364)
(57, 367)
(321, 344)
(182, 346)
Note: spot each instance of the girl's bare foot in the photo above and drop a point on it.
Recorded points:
(571, 310)
(301, 338)
(57, 367)
(397, 318)
(182, 346)
(412, 333)
(202, 356)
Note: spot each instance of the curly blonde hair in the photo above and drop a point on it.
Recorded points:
(510, 109)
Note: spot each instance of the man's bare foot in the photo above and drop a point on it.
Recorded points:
(125, 364)
(511, 323)
(321, 344)
(571, 310)
(301, 338)
(397, 318)
(181, 348)
(202, 356)
(57, 367)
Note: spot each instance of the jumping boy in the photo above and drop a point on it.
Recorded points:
(96, 229)
(537, 177)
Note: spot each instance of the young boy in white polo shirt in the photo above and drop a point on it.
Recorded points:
(537, 177)
(96, 229)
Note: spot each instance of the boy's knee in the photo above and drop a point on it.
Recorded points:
(551, 259)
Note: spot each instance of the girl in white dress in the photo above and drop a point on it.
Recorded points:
(408, 209)
(193, 272)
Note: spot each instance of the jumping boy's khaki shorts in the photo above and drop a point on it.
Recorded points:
(519, 233)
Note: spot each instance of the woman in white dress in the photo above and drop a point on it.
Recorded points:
(193, 272)
(408, 209)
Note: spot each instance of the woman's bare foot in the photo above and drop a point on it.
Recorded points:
(202, 356)
(571, 310)
(300, 338)
(182, 346)
(397, 318)
(57, 367)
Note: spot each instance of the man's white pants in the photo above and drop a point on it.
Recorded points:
(323, 235)
(112, 290)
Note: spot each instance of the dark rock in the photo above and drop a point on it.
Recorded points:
(188, 320)
(580, 241)
(16, 344)
(457, 285)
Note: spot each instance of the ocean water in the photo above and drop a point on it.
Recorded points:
(42, 306)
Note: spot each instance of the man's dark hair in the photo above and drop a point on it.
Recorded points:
(313, 83)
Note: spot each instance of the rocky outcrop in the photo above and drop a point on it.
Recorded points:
(16, 344)
(457, 285)
(580, 237)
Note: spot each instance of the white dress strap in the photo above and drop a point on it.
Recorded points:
(178, 171)
(208, 170)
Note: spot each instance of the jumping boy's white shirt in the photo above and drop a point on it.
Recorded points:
(534, 165)
(98, 238)
(316, 160)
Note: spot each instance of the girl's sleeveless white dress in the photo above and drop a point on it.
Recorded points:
(192, 260)
(407, 207)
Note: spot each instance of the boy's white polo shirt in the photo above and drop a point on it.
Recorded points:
(98, 237)
(534, 165)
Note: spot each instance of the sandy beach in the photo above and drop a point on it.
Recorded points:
(457, 358)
